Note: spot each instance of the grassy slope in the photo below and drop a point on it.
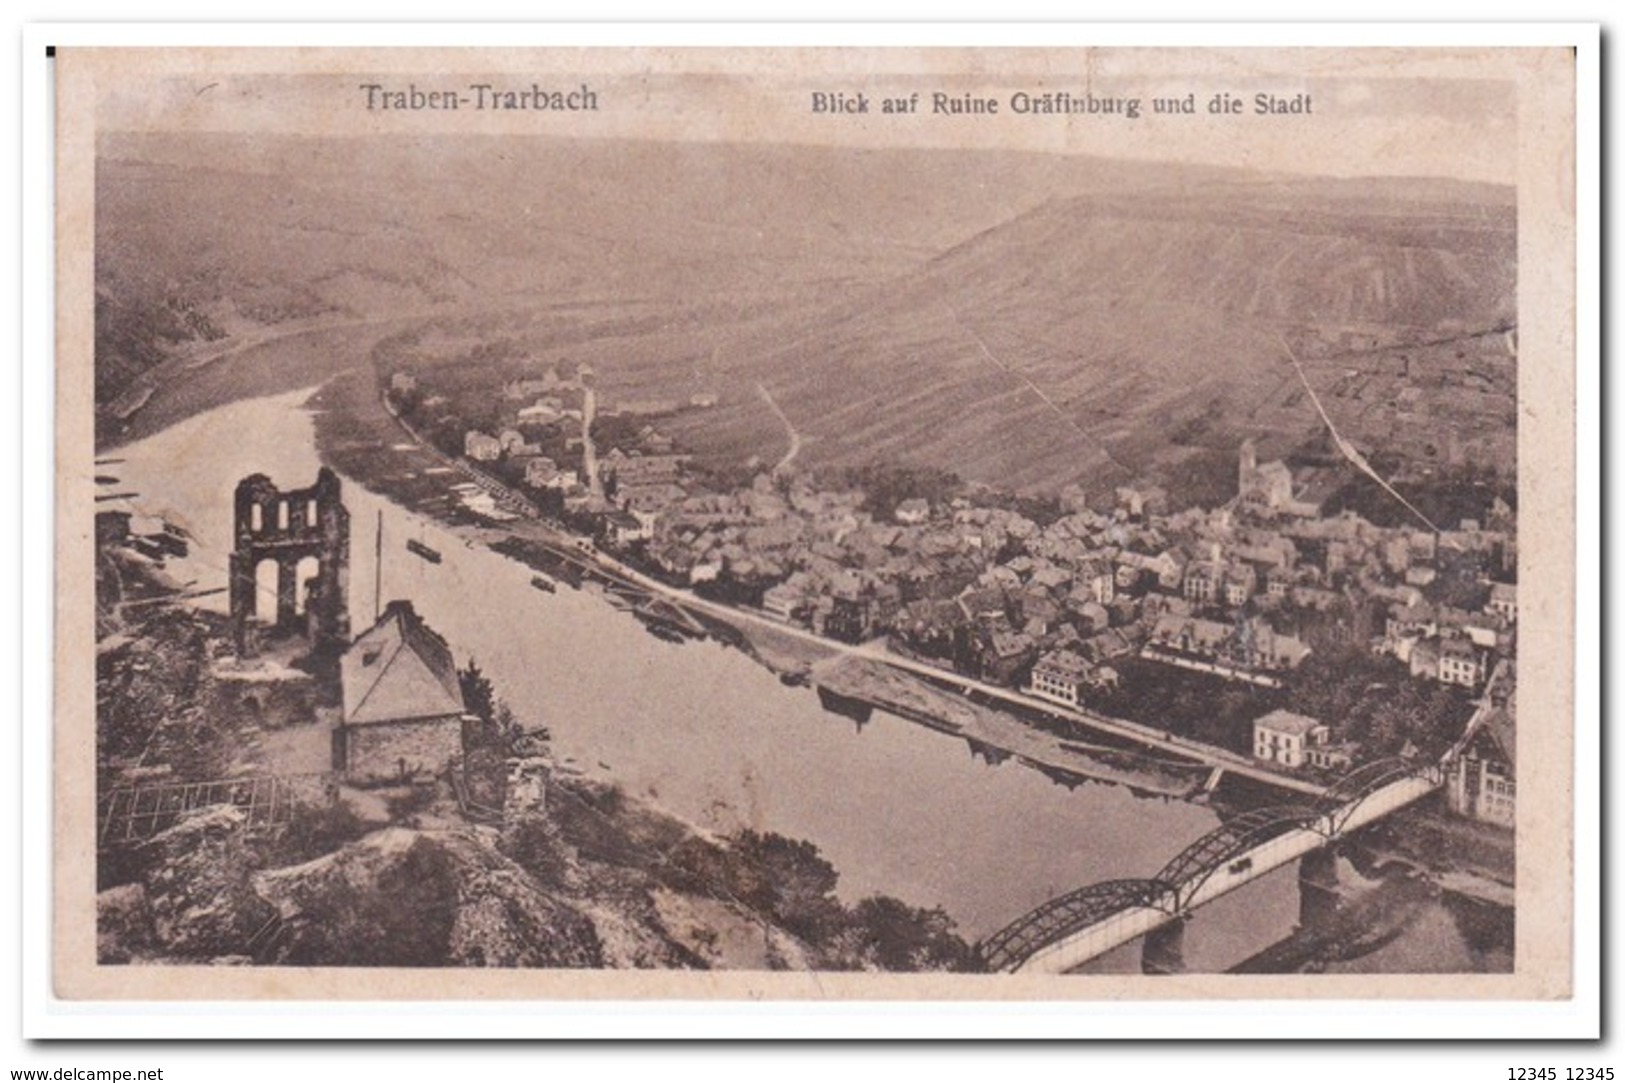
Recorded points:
(1078, 336)
(913, 305)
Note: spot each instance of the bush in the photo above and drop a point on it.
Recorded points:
(789, 880)
(888, 934)
(404, 806)
(314, 830)
(536, 844)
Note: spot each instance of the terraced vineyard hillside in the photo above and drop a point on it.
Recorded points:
(1080, 337)
(1025, 320)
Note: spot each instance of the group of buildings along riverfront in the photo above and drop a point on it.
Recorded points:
(1074, 604)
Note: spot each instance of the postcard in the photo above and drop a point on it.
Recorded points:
(815, 523)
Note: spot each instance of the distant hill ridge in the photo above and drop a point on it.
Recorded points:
(1025, 319)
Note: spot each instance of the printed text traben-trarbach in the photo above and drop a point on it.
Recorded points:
(481, 96)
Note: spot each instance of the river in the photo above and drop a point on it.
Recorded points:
(700, 730)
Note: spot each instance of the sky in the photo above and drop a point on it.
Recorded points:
(1370, 112)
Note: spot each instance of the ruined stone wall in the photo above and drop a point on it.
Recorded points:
(394, 751)
(286, 527)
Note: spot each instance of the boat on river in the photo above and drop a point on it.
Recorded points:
(665, 631)
(418, 548)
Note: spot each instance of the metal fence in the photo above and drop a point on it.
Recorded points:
(133, 813)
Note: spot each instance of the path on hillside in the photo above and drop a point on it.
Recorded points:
(795, 437)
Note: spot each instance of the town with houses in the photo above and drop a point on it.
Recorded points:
(702, 569)
(1086, 604)
(302, 768)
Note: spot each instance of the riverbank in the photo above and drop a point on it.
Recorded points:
(898, 809)
(572, 872)
(1077, 760)
(358, 436)
(1406, 922)
(1476, 860)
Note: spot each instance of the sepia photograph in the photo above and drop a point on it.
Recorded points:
(1064, 522)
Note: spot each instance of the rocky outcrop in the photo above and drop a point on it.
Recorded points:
(197, 889)
(651, 895)
(723, 936)
(411, 898)
(124, 931)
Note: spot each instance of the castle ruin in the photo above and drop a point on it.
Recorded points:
(299, 531)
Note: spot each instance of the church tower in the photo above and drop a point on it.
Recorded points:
(1247, 473)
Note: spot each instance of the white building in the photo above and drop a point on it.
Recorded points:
(1061, 676)
(481, 447)
(1285, 738)
(1460, 662)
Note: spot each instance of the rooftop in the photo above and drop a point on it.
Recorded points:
(1064, 664)
(399, 669)
(1287, 722)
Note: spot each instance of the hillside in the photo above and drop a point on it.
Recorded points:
(1026, 320)
(1072, 342)
(209, 242)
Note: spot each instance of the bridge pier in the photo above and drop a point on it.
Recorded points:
(1163, 950)
(1319, 896)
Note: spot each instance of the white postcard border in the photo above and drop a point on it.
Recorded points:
(47, 1017)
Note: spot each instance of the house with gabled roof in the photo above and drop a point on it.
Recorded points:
(1503, 601)
(1482, 782)
(1061, 675)
(402, 703)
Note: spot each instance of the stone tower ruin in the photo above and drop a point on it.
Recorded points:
(1247, 466)
(288, 527)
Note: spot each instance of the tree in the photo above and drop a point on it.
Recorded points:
(499, 728)
(886, 485)
(789, 880)
(479, 697)
(888, 934)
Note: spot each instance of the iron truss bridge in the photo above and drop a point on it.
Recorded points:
(1173, 888)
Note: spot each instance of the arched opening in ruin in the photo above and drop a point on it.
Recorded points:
(306, 570)
(265, 583)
